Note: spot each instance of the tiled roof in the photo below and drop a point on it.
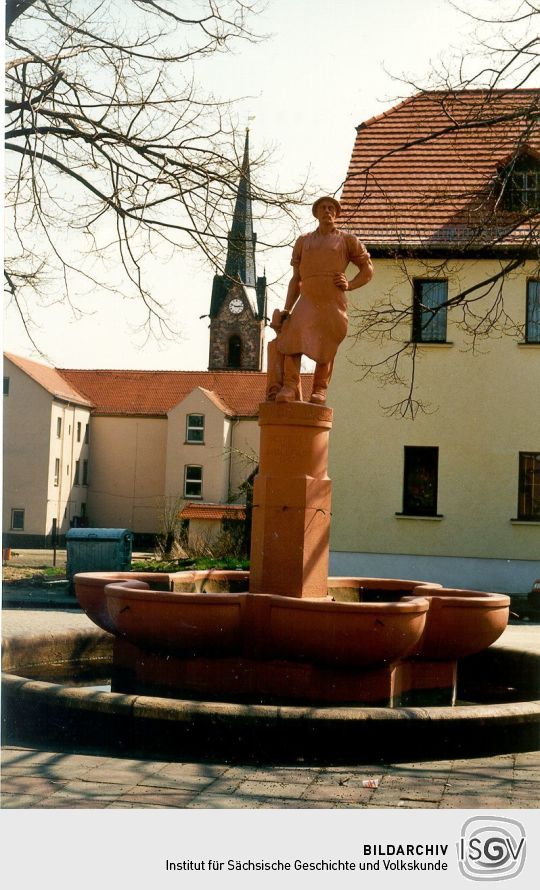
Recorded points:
(219, 403)
(156, 392)
(213, 511)
(49, 379)
(427, 171)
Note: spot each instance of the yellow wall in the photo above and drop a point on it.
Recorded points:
(26, 450)
(482, 410)
(229, 445)
(245, 453)
(64, 500)
(212, 454)
(127, 472)
(31, 446)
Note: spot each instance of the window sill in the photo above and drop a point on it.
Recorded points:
(436, 518)
(187, 442)
(436, 344)
(193, 497)
(528, 343)
(525, 521)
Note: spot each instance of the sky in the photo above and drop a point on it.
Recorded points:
(321, 68)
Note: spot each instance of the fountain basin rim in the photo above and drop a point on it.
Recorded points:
(419, 600)
(123, 590)
(168, 709)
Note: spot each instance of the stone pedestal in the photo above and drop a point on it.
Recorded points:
(291, 501)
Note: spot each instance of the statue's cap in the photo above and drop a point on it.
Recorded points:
(334, 201)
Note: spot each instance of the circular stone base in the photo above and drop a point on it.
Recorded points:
(36, 709)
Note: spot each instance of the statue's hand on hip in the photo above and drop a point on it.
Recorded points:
(340, 281)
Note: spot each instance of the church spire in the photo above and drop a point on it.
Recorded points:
(238, 301)
(241, 241)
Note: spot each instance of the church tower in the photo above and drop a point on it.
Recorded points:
(238, 304)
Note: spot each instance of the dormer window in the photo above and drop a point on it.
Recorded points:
(521, 184)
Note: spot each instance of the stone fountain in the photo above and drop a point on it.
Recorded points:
(291, 633)
(282, 660)
(285, 632)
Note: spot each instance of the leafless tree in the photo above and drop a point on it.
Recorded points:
(113, 152)
(504, 57)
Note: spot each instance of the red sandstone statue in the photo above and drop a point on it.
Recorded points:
(318, 323)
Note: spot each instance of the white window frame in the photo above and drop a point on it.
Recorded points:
(187, 480)
(191, 428)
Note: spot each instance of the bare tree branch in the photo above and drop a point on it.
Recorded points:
(477, 221)
(109, 139)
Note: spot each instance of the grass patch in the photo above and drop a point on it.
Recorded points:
(32, 574)
(200, 563)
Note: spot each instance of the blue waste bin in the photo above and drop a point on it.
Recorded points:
(98, 550)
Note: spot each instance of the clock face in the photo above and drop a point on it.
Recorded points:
(236, 306)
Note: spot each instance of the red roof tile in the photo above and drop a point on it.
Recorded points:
(426, 171)
(219, 403)
(213, 511)
(156, 392)
(49, 379)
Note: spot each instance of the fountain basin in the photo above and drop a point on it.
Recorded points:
(90, 588)
(40, 702)
(351, 647)
(461, 622)
(265, 626)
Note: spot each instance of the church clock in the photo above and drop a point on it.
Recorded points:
(236, 306)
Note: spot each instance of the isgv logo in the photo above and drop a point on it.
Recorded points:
(491, 848)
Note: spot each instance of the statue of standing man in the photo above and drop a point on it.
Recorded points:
(314, 319)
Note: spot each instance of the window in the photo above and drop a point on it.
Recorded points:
(6, 386)
(58, 427)
(77, 473)
(234, 353)
(523, 186)
(79, 428)
(87, 434)
(529, 485)
(17, 520)
(532, 323)
(420, 481)
(83, 511)
(85, 472)
(195, 428)
(57, 471)
(192, 482)
(429, 311)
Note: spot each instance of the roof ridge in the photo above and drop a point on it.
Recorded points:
(448, 93)
(35, 370)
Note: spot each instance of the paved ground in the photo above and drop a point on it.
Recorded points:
(24, 557)
(40, 778)
(33, 778)
(36, 558)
